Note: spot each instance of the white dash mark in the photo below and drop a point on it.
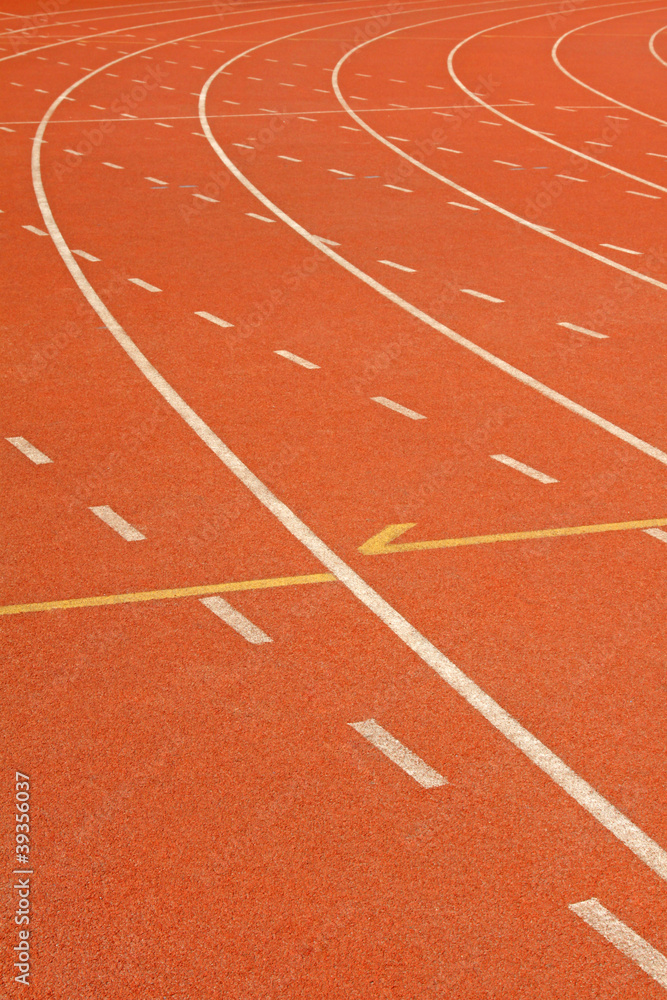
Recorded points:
(235, 620)
(656, 533)
(432, 86)
(29, 450)
(5, 128)
(126, 114)
(115, 521)
(383, 401)
(643, 194)
(318, 90)
(611, 246)
(98, 107)
(114, 166)
(86, 256)
(367, 75)
(583, 329)
(526, 469)
(397, 138)
(304, 119)
(35, 230)
(348, 128)
(236, 103)
(343, 173)
(144, 284)
(506, 163)
(262, 218)
(398, 754)
(242, 145)
(162, 125)
(296, 359)
(292, 159)
(205, 197)
(481, 295)
(662, 156)
(399, 267)
(72, 152)
(566, 177)
(627, 941)
(592, 142)
(214, 319)
(156, 180)
(329, 243)
(446, 149)
(459, 204)
(483, 121)
(396, 81)
(395, 187)
(288, 85)
(355, 98)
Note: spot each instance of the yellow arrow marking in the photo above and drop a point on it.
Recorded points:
(381, 544)
(161, 595)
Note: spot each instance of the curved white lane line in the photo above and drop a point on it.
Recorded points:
(575, 79)
(107, 17)
(651, 45)
(638, 842)
(471, 194)
(527, 128)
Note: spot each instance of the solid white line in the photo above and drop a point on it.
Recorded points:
(262, 218)
(156, 180)
(627, 832)
(526, 469)
(205, 197)
(643, 194)
(398, 754)
(610, 246)
(395, 187)
(29, 450)
(399, 267)
(236, 620)
(115, 521)
(583, 329)
(627, 941)
(35, 230)
(86, 256)
(292, 159)
(398, 408)
(114, 166)
(144, 284)
(656, 533)
(214, 319)
(296, 359)
(471, 208)
(481, 295)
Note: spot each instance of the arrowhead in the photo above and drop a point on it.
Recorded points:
(381, 543)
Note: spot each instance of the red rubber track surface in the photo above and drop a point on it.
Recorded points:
(204, 821)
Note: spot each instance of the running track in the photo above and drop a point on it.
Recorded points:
(277, 277)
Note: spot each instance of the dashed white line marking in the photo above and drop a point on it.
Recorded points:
(643, 194)
(397, 138)
(583, 329)
(5, 128)
(483, 121)
(205, 197)
(156, 180)
(350, 128)
(214, 319)
(506, 163)
(126, 114)
(481, 295)
(656, 533)
(235, 620)
(367, 75)
(288, 85)
(432, 86)
(592, 142)
(304, 119)
(35, 230)
(404, 107)
(343, 173)
(29, 450)
(38, 90)
(446, 149)
(13, 84)
(353, 97)
(395, 187)
(72, 152)
(270, 60)
(459, 204)
(318, 90)
(242, 145)
(98, 107)
(399, 267)
(566, 177)
(292, 159)
(115, 521)
(258, 79)
(144, 284)
(114, 166)
(383, 401)
(611, 246)
(162, 125)
(329, 243)
(526, 469)
(235, 103)
(163, 86)
(296, 359)
(262, 218)
(86, 256)
(627, 941)
(662, 156)
(396, 81)
(398, 754)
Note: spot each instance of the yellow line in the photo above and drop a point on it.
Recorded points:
(161, 595)
(384, 546)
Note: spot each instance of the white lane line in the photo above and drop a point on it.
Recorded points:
(459, 204)
(114, 166)
(481, 295)
(399, 267)
(205, 197)
(86, 256)
(656, 533)
(115, 521)
(156, 180)
(398, 754)
(526, 469)
(611, 246)
(663, 156)
(506, 163)
(627, 941)
(395, 187)
(583, 329)
(262, 218)
(446, 149)
(292, 159)
(29, 450)
(566, 177)
(144, 284)
(343, 173)
(383, 401)
(35, 230)
(235, 620)
(296, 359)
(214, 319)
(643, 194)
